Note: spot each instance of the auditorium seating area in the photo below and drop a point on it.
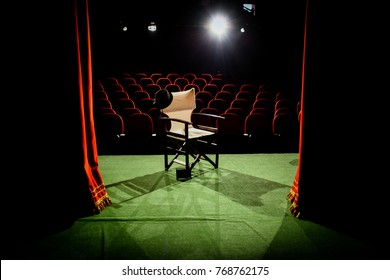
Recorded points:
(258, 117)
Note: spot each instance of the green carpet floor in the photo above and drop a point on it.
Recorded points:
(238, 211)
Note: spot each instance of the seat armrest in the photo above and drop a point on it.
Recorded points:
(176, 120)
(209, 115)
(212, 120)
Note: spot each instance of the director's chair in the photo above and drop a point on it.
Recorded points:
(186, 134)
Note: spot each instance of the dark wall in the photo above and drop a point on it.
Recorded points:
(343, 176)
(270, 49)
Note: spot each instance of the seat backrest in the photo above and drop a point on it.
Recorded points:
(249, 87)
(100, 94)
(258, 124)
(97, 87)
(172, 87)
(138, 125)
(152, 89)
(213, 89)
(220, 104)
(230, 87)
(263, 103)
(115, 95)
(245, 94)
(127, 112)
(102, 103)
(238, 111)
(204, 119)
(113, 87)
(140, 75)
(200, 82)
(230, 125)
(285, 124)
(145, 81)
(111, 80)
(109, 125)
(206, 76)
(128, 81)
(280, 95)
(283, 110)
(172, 77)
(181, 82)
(264, 94)
(244, 104)
(205, 96)
(156, 76)
(282, 103)
(145, 104)
(122, 103)
(262, 110)
(189, 76)
(131, 88)
(225, 95)
(163, 81)
(218, 82)
(199, 105)
(189, 86)
(99, 112)
(138, 95)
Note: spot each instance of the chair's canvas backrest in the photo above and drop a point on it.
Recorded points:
(183, 103)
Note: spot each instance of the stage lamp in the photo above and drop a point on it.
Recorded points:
(152, 26)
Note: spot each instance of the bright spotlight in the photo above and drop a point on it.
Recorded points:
(219, 25)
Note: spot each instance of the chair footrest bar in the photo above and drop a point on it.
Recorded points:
(178, 161)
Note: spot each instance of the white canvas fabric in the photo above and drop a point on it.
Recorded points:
(182, 105)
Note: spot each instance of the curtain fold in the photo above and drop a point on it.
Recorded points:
(96, 185)
(293, 195)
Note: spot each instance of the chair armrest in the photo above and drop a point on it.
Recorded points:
(212, 121)
(198, 114)
(176, 120)
(209, 115)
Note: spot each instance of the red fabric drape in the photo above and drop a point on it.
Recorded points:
(293, 195)
(96, 186)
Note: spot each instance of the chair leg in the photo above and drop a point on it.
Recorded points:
(196, 149)
(167, 165)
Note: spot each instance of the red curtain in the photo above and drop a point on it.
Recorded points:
(293, 195)
(94, 180)
(51, 161)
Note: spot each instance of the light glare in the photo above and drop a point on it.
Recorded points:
(152, 27)
(219, 25)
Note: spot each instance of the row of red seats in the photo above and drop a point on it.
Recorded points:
(144, 81)
(259, 129)
(254, 113)
(241, 106)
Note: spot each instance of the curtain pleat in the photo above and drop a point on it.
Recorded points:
(99, 196)
(293, 195)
